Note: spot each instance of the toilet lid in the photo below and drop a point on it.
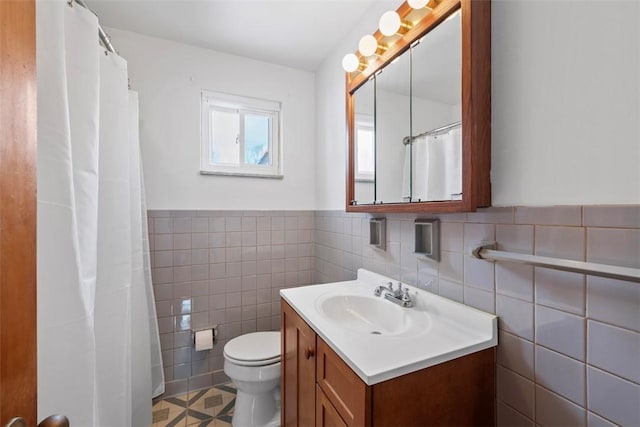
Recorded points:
(256, 348)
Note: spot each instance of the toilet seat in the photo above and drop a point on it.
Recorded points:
(254, 349)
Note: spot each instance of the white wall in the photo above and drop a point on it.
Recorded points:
(566, 105)
(566, 102)
(331, 143)
(169, 78)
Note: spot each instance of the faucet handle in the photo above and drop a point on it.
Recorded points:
(405, 295)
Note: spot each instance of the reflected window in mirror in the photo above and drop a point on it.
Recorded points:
(364, 139)
(365, 148)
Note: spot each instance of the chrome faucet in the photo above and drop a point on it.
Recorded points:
(398, 296)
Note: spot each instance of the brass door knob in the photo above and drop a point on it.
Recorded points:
(16, 422)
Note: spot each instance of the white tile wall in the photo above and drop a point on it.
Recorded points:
(515, 280)
(561, 374)
(569, 345)
(515, 391)
(614, 301)
(613, 398)
(553, 410)
(516, 353)
(595, 421)
(603, 339)
(508, 416)
(516, 316)
(560, 289)
(560, 331)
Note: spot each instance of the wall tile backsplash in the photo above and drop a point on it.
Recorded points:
(569, 344)
(222, 268)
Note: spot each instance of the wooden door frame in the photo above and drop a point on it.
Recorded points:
(18, 86)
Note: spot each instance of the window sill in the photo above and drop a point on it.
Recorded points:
(242, 174)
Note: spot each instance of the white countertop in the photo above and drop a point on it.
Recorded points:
(451, 329)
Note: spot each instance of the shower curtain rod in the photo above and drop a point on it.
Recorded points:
(104, 37)
(407, 139)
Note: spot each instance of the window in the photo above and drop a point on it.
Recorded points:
(365, 148)
(240, 136)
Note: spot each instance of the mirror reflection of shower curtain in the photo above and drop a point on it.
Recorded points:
(99, 359)
(437, 167)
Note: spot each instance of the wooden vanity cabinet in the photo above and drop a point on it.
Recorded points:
(343, 388)
(326, 413)
(319, 388)
(298, 379)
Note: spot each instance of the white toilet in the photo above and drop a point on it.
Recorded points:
(252, 361)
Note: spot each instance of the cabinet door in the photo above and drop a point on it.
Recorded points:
(326, 414)
(298, 369)
(348, 394)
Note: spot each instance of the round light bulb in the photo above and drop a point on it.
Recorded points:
(417, 4)
(389, 23)
(368, 45)
(350, 62)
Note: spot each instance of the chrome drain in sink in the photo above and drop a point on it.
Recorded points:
(376, 333)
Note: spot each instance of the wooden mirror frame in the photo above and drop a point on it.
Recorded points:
(476, 102)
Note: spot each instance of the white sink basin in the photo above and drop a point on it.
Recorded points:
(372, 315)
(380, 340)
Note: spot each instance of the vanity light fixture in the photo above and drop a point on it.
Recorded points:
(368, 45)
(351, 63)
(390, 23)
(417, 4)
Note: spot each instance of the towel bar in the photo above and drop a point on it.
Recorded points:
(488, 252)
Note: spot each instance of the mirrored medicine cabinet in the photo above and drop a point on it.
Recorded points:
(419, 113)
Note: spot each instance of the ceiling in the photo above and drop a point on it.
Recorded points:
(294, 33)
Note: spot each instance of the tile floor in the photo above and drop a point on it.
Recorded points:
(211, 407)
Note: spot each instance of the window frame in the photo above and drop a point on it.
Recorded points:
(363, 121)
(243, 105)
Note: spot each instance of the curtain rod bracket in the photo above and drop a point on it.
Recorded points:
(102, 34)
(476, 252)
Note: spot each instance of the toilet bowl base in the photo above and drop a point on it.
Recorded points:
(257, 410)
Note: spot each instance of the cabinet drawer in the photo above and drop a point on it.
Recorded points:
(326, 414)
(349, 394)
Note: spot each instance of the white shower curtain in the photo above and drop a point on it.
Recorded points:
(99, 357)
(437, 167)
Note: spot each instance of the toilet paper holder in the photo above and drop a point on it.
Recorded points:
(214, 333)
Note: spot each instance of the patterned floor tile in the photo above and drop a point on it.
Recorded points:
(160, 415)
(210, 407)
